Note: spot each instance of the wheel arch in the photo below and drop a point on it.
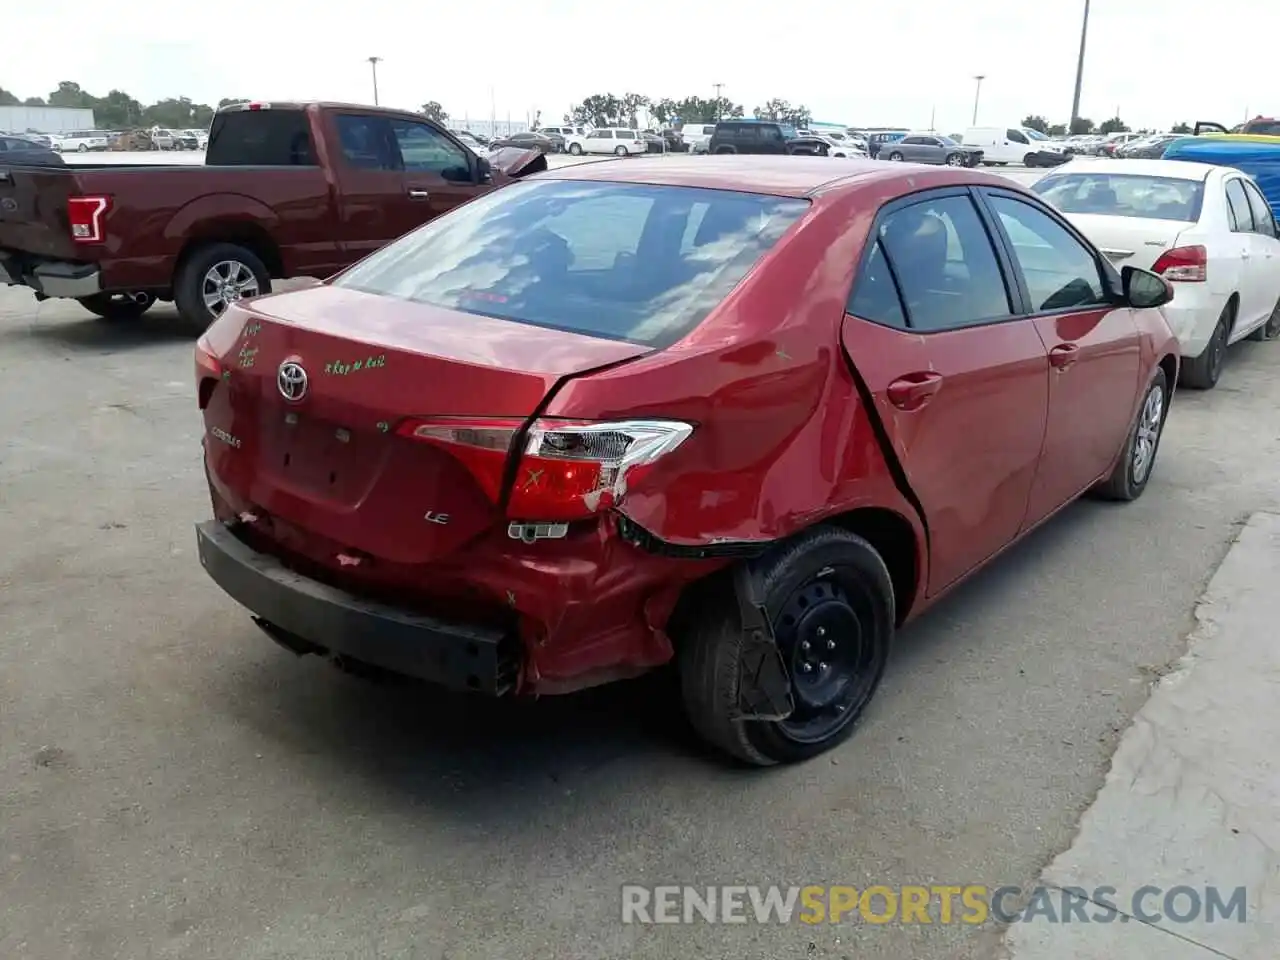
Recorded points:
(244, 233)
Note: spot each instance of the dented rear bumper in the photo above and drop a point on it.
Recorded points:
(308, 616)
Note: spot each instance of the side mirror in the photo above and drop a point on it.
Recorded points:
(1144, 289)
(484, 170)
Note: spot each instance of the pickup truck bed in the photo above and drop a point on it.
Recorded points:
(290, 190)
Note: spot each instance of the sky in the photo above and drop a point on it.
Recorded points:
(864, 62)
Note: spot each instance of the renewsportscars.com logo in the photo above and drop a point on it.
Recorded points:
(970, 904)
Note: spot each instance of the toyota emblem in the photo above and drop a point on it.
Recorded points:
(291, 380)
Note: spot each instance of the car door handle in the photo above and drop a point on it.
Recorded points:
(1064, 355)
(914, 390)
(419, 195)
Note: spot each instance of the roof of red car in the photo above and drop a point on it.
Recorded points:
(786, 176)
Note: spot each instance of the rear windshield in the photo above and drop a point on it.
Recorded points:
(619, 261)
(1124, 195)
(260, 138)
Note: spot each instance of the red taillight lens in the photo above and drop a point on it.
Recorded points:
(85, 215)
(1183, 264)
(568, 470)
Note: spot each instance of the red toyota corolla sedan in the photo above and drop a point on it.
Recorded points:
(750, 414)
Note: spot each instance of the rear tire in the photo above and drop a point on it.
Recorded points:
(826, 583)
(575, 149)
(1269, 330)
(114, 307)
(1137, 459)
(620, 152)
(189, 287)
(1204, 371)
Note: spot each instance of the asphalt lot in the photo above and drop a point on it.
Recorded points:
(172, 785)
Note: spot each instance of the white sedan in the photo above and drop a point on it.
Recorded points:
(1207, 229)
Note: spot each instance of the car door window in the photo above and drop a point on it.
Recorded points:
(364, 142)
(1238, 203)
(1017, 136)
(1059, 271)
(1264, 222)
(424, 149)
(944, 263)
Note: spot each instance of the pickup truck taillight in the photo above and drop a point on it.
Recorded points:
(85, 215)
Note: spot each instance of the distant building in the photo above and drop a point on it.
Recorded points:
(486, 128)
(45, 119)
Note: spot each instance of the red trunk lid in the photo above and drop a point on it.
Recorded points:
(328, 461)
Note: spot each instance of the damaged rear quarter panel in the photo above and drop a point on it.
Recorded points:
(782, 439)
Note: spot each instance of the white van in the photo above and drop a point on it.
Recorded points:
(697, 136)
(1002, 145)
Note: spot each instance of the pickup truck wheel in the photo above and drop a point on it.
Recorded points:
(829, 599)
(118, 306)
(575, 149)
(214, 277)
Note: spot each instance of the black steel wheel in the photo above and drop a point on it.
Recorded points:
(830, 602)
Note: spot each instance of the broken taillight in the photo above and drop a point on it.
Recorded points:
(208, 373)
(567, 470)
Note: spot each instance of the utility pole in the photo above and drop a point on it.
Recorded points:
(933, 115)
(373, 62)
(1075, 100)
(977, 94)
(719, 87)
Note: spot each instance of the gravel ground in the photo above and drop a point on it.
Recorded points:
(172, 785)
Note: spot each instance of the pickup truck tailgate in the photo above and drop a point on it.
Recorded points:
(33, 210)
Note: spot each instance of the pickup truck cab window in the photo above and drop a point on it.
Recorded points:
(364, 142)
(260, 138)
(423, 148)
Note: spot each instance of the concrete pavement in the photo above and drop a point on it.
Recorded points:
(1192, 799)
(174, 787)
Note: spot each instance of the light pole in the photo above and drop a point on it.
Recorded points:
(719, 87)
(977, 94)
(373, 62)
(1075, 100)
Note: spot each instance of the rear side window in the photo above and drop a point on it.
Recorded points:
(260, 138)
(1264, 221)
(1241, 215)
(631, 262)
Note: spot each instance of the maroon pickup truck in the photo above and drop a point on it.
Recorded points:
(287, 190)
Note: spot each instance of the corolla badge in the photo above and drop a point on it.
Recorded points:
(291, 380)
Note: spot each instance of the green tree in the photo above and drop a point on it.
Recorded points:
(1180, 128)
(70, 95)
(1057, 130)
(34, 102)
(704, 110)
(1081, 125)
(664, 110)
(783, 112)
(632, 104)
(117, 110)
(225, 101)
(598, 110)
(8, 99)
(1114, 125)
(1036, 122)
(433, 111)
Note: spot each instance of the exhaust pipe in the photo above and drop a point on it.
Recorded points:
(139, 297)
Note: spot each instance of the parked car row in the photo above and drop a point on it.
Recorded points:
(1207, 229)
